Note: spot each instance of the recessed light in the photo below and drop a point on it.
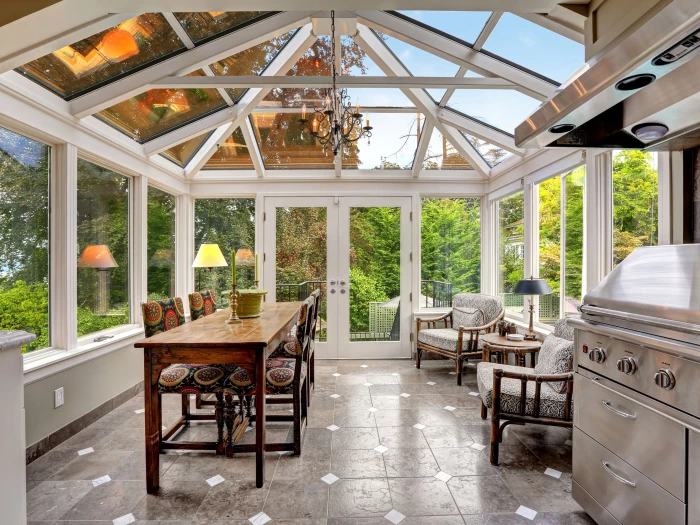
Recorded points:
(561, 128)
(635, 82)
(649, 131)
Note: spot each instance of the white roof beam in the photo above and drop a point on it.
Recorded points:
(391, 66)
(457, 53)
(558, 26)
(363, 109)
(217, 137)
(478, 129)
(422, 148)
(451, 91)
(191, 60)
(253, 149)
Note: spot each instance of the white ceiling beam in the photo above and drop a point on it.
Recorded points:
(363, 109)
(478, 129)
(217, 136)
(191, 60)
(279, 66)
(451, 91)
(422, 148)
(380, 82)
(457, 53)
(253, 149)
(558, 26)
(486, 31)
(391, 66)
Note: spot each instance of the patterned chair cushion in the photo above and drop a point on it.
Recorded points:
(163, 315)
(555, 357)
(491, 305)
(202, 304)
(445, 338)
(280, 378)
(192, 379)
(563, 329)
(287, 349)
(552, 403)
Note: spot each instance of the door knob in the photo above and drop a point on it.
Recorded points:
(342, 282)
(332, 290)
(342, 290)
(332, 282)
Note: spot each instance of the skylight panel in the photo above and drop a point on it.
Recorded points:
(354, 61)
(535, 47)
(201, 27)
(464, 25)
(379, 97)
(233, 154)
(158, 111)
(441, 155)
(501, 108)
(182, 153)
(420, 63)
(493, 155)
(92, 62)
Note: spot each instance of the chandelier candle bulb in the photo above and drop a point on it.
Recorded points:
(303, 112)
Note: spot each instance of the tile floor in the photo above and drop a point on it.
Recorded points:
(409, 461)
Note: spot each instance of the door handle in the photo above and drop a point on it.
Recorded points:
(342, 290)
(619, 478)
(332, 290)
(342, 282)
(332, 282)
(620, 413)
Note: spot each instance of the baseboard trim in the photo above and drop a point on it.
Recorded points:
(51, 441)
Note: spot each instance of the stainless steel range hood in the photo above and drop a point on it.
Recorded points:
(664, 46)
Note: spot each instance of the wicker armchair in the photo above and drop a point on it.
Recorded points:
(456, 335)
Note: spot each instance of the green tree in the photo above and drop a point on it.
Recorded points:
(364, 290)
(161, 244)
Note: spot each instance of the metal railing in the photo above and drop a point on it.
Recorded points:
(436, 294)
(298, 292)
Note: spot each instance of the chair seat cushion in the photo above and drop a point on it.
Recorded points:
(192, 379)
(552, 403)
(445, 339)
(286, 349)
(280, 378)
(555, 357)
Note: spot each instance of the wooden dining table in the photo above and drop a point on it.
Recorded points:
(211, 340)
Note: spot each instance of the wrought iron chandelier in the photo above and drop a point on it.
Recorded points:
(336, 123)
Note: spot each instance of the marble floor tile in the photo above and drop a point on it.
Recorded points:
(233, 500)
(541, 492)
(422, 497)
(52, 499)
(92, 466)
(447, 437)
(410, 463)
(108, 501)
(402, 437)
(463, 462)
(355, 438)
(359, 498)
(174, 500)
(482, 495)
(357, 464)
(289, 499)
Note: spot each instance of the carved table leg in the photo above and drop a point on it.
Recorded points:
(151, 400)
(229, 415)
(219, 416)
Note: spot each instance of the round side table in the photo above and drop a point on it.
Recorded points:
(499, 346)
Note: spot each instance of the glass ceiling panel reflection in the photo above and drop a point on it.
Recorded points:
(85, 65)
(283, 145)
(157, 111)
(492, 154)
(233, 154)
(252, 61)
(420, 63)
(201, 27)
(442, 155)
(500, 108)
(392, 145)
(535, 47)
(355, 62)
(182, 153)
(464, 25)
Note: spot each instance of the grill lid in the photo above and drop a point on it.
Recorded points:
(655, 290)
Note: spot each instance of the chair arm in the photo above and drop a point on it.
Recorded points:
(524, 377)
(474, 331)
(433, 320)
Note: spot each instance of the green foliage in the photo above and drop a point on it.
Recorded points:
(26, 307)
(364, 290)
(511, 237)
(161, 243)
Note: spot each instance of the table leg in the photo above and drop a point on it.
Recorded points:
(261, 389)
(151, 400)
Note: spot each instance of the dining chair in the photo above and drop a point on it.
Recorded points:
(202, 304)
(184, 379)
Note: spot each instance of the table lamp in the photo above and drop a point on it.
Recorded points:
(97, 256)
(209, 256)
(532, 287)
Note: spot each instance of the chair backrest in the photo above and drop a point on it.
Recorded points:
(491, 305)
(202, 304)
(161, 316)
(563, 330)
(316, 294)
(303, 327)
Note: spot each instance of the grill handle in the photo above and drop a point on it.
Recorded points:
(642, 319)
(620, 413)
(622, 480)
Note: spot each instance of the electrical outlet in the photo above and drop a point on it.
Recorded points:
(58, 397)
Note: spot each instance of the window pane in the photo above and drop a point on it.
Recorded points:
(355, 61)
(182, 153)
(550, 247)
(503, 109)
(160, 110)
(442, 155)
(203, 26)
(233, 154)
(77, 68)
(511, 250)
(465, 25)
(230, 223)
(492, 154)
(635, 202)
(420, 63)
(161, 244)
(103, 248)
(535, 47)
(573, 264)
(450, 249)
(24, 237)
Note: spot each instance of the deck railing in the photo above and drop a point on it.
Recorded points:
(436, 294)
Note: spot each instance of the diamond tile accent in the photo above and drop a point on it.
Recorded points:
(124, 520)
(260, 519)
(477, 446)
(330, 478)
(336, 374)
(404, 394)
(471, 365)
(101, 481)
(419, 426)
(431, 383)
(395, 374)
(373, 409)
(394, 516)
(139, 411)
(335, 396)
(86, 451)
(333, 428)
(381, 449)
(474, 394)
(451, 409)
(526, 512)
(364, 366)
(212, 482)
(366, 384)
(443, 476)
(453, 373)
(552, 472)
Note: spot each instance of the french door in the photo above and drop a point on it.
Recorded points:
(357, 251)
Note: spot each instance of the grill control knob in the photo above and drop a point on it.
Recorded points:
(597, 355)
(665, 379)
(627, 365)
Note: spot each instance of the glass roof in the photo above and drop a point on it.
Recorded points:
(106, 56)
(443, 155)
(354, 61)
(182, 153)
(392, 145)
(535, 47)
(492, 154)
(464, 25)
(420, 63)
(500, 108)
(156, 111)
(201, 27)
(233, 154)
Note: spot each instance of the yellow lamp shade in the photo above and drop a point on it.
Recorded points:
(209, 256)
(118, 45)
(244, 257)
(97, 256)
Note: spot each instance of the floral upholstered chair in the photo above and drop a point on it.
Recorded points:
(202, 304)
(456, 335)
(548, 388)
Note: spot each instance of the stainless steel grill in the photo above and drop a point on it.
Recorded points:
(636, 451)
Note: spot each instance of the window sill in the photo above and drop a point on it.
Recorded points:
(53, 361)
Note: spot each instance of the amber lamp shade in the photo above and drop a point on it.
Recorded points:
(209, 256)
(244, 257)
(118, 45)
(97, 256)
